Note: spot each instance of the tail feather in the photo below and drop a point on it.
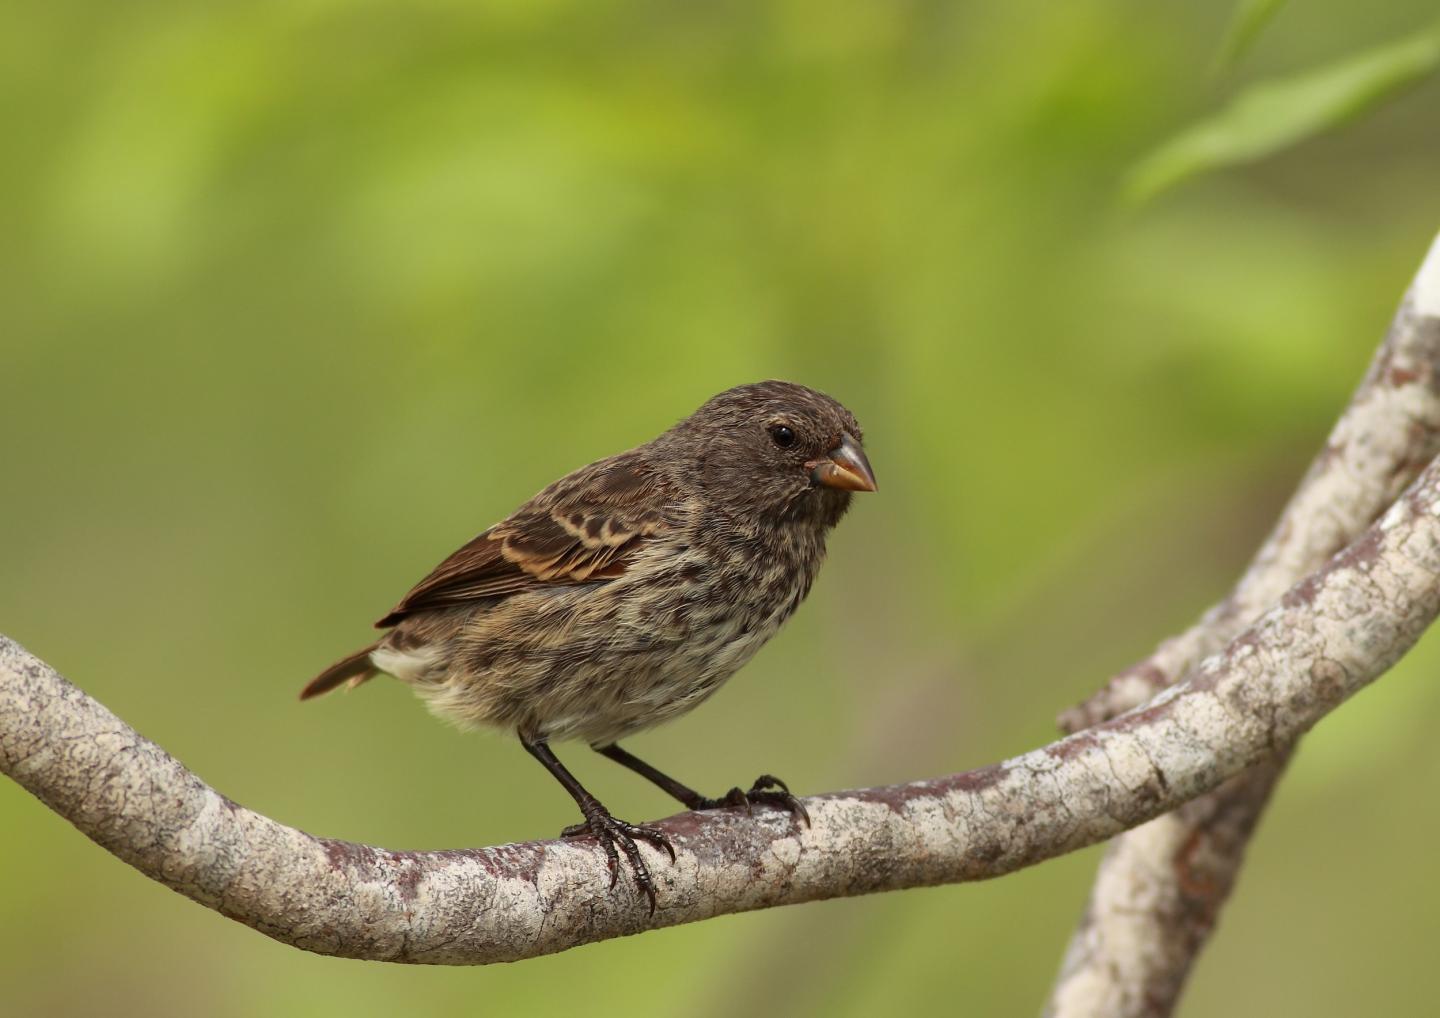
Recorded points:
(354, 669)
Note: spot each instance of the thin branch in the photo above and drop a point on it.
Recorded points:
(1330, 635)
(1161, 888)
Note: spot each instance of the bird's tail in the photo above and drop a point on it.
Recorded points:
(354, 668)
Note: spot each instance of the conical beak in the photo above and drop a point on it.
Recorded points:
(845, 467)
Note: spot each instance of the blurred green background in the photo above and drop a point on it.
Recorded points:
(297, 296)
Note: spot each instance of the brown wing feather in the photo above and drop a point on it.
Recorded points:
(584, 528)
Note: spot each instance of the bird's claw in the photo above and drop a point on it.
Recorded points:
(611, 832)
(768, 790)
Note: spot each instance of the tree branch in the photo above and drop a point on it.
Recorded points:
(1160, 888)
(1330, 635)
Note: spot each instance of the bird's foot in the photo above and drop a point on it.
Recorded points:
(768, 790)
(610, 832)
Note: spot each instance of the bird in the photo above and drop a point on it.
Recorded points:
(625, 593)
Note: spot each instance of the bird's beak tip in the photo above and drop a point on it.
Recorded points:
(846, 468)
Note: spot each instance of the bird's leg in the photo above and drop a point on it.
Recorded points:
(604, 827)
(767, 790)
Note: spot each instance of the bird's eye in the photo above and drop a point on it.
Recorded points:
(782, 436)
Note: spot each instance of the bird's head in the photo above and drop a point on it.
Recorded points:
(775, 448)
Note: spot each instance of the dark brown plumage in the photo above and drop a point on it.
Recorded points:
(626, 592)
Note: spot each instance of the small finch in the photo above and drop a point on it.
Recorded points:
(627, 592)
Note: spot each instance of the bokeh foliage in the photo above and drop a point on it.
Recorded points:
(295, 297)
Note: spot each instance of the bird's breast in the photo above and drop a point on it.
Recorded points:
(751, 582)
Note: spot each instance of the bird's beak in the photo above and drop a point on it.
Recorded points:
(844, 467)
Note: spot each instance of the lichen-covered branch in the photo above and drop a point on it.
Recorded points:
(1161, 887)
(1340, 628)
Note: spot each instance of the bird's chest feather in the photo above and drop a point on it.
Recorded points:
(751, 583)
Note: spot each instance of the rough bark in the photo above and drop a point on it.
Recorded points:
(1332, 633)
(1160, 888)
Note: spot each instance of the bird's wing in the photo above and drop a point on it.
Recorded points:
(585, 528)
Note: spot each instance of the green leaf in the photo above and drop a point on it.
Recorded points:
(1249, 19)
(1270, 116)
